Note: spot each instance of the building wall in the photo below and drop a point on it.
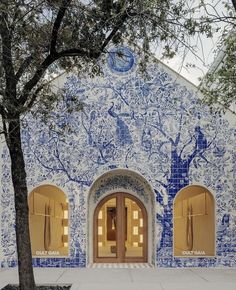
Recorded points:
(150, 124)
(1, 190)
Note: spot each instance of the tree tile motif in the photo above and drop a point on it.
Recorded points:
(154, 125)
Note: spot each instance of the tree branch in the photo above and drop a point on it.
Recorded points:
(53, 55)
(57, 24)
(7, 56)
(162, 183)
(2, 111)
(107, 7)
(35, 79)
(123, 17)
(79, 52)
(34, 97)
(5, 130)
(234, 4)
(158, 127)
(180, 126)
(27, 12)
(23, 67)
(184, 146)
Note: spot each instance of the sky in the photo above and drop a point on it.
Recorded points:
(195, 65)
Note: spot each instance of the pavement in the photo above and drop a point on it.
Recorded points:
(130, 279)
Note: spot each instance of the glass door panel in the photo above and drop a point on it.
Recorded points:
(107, 229)
(134, 234)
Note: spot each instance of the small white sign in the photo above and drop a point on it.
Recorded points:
(47, 253)
(193, 253)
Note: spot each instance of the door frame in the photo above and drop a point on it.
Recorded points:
(120, 205)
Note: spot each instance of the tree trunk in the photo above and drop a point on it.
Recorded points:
(25, 268)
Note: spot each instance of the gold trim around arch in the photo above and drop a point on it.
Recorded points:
(120, 239)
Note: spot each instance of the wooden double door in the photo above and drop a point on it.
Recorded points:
(120, 230)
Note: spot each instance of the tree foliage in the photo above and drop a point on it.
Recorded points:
(40, 36)
(219, 84)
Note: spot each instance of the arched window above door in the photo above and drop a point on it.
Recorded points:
(48, 221)
(194, 222)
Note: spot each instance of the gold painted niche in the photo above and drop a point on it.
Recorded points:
(48, 221)
(194, 222)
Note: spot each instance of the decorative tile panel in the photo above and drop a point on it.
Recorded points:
(116, 182)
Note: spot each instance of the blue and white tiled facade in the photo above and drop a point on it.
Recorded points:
(152, 127)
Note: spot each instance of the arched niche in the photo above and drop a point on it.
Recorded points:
(128, 182)
(48, 221)
(194, 222)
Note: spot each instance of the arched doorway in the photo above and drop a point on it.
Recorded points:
(120, 229)
(48, 221)
(194, 222)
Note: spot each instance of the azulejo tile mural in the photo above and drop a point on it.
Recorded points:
(122, 182)
(153, 125)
